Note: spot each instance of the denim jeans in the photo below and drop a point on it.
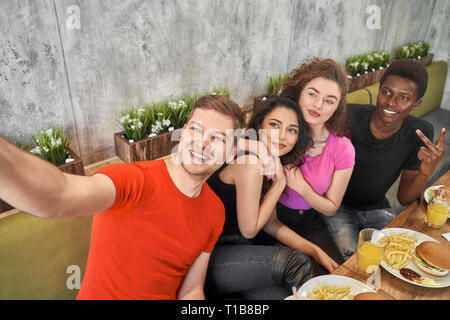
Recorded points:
(256, 272)
(346, 224)
(310, 225)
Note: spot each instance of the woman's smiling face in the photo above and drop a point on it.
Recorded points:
(282, 130)
(319, 100)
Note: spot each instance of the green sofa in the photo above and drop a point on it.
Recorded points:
(437, 74)
(35, 253)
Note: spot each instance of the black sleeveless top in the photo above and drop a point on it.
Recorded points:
(227, 193)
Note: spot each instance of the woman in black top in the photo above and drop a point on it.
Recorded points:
(237, 266)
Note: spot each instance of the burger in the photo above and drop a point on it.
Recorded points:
(370, 296)
(432, 257)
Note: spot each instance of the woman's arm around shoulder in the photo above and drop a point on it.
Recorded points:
(252, 213)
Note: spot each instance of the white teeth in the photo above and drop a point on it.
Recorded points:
(198, 155)
(389, 112)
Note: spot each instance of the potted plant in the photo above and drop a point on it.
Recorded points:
(53, 145)
(418, 50)
(274, 83)
(365, 69)
(378, 61)
(148, 132)
(272, 87)
(356, 72)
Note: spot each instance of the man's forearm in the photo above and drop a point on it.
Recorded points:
(27, 182)
(197, 294)
(411, 187)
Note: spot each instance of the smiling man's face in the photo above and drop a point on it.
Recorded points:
(206, 142)
(396, 99)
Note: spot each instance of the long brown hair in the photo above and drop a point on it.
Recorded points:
(320, 68)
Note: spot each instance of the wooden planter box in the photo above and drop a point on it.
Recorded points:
(357, 82)
(249, 108)
(375, 76)
(257, 100)
(427, 59)
(145, 149)
(5, 207)
(365, 80)
(73, 167)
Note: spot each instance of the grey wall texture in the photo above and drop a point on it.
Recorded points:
(78, 63)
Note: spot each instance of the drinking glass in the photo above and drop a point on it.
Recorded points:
(372, 244)
(438, 208)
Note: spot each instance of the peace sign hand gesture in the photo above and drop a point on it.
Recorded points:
(431, 154)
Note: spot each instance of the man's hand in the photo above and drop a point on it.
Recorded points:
(431, 154)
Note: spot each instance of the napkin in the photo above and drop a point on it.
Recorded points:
(446, 236)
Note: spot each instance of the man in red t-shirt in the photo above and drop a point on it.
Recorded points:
(158, 220)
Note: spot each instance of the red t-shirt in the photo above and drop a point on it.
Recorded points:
(142, 247)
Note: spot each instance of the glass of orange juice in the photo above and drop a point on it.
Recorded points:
(372, 244)
(438, 209)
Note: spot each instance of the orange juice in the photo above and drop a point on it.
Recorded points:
(437, 214)
(369, 257)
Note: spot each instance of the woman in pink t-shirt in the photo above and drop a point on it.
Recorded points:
(321, 182)
(317, 188)
(334, 164)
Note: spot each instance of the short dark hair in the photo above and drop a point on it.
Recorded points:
(410, 69)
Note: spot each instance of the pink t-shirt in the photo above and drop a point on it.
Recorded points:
(338, 154)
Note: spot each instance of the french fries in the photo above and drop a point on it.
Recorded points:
(398, 253)
(328, 292)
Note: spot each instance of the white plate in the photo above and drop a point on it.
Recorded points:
(444, 281)
(331, 280)
(427, 192)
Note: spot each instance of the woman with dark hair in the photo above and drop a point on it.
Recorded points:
(318, 186)
(236, 264)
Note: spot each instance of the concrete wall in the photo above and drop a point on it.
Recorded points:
(79, 63)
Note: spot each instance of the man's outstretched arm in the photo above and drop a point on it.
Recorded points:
(35, 186)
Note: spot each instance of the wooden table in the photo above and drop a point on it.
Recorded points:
(410, 218)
